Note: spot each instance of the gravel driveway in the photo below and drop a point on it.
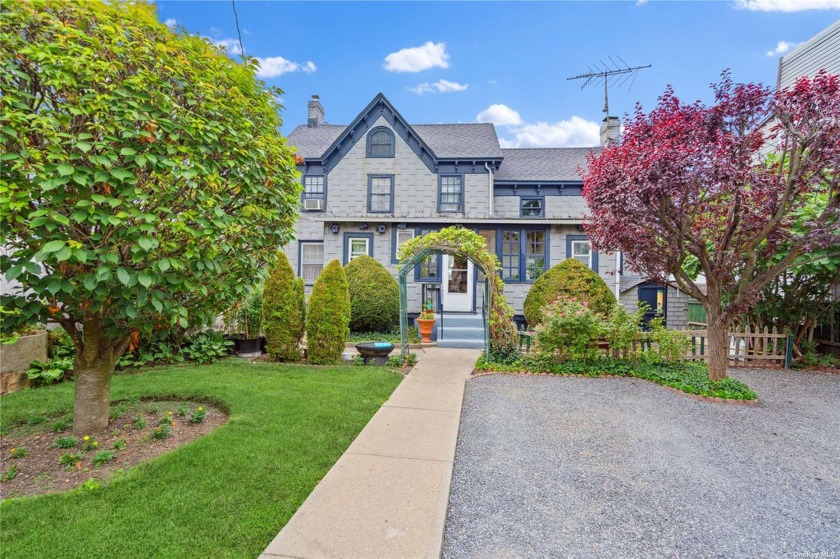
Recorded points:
(573, 467)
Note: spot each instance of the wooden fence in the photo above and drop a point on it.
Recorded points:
(746, 348)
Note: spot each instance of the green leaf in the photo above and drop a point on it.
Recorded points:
(65, 169)
(53, 246)
(146, 243)
(90, 283)
(130, 312)
(127, 151)
(84, 146)
(63, 254)
(123, 276)
(163, 265)
(144, 279)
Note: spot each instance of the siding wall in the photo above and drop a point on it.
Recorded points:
(822, 52)
(556, 207)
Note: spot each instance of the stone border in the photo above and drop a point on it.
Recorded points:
(709, 399)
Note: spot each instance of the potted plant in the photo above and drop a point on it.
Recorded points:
(426, 321)
(243, 323)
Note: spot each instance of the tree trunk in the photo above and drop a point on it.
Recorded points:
(718, 329)
(93, 368)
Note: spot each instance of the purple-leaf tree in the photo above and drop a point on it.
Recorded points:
(723, 188)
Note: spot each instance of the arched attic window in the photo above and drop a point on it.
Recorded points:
(380, 142)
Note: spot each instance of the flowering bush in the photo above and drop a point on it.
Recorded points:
(568, 330)
(623, 331)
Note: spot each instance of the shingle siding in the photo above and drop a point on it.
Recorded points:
(822, 52)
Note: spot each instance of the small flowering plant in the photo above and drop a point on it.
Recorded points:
(167, 419)
(89, 443)
(162, 432)
(569, 330)
(198, 415)
(18, 452)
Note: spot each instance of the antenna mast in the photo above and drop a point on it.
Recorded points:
(605, 71)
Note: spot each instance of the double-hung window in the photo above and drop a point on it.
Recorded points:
(510, 252)
(357, 244)
(401, 236)
(582, 250)
(534, 254)
(314, 192)
(451, 197)
(381, 193)
(311, 261)
(531, 207)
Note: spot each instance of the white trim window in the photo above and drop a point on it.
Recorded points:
(403, 235)
(357, 246)
(311, 261)
(582, 251)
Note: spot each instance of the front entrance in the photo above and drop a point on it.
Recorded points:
(458, 283)
(654, 295)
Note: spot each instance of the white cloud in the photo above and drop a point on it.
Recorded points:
(575, 132)
(781, 48)
(787, 5)
(641, 2)
(171, 23)
(230, 45)
(440, 86)
(417, 59)
(499, 114)
(273, 66)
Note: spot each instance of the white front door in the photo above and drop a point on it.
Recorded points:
(458, 283)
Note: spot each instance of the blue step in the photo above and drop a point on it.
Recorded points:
(461, 321)
(460, 333)
(461, 344)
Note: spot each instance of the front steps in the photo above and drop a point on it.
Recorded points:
(460, 331)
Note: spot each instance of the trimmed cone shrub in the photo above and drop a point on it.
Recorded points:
(570, 279)
(284, 311)
(328, 319)
(374, 296)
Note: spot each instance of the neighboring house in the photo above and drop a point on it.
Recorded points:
(379, 181)
(820, 52)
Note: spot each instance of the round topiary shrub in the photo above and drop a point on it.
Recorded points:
(284, 311)
(328, 319)
(374, 296)
(569, 279)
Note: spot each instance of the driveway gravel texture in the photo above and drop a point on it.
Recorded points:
(607, 467)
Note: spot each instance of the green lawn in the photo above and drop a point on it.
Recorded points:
(223, 495)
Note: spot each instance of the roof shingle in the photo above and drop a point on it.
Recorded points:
(543, 164)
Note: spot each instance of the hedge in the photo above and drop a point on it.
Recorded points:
(570, 279)
(374, 296)
(284, 311)
(328, 319)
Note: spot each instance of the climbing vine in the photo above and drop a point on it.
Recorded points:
(454, 240)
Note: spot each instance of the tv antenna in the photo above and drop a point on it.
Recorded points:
(604, 72)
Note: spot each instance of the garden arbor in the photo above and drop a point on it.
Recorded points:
(499, 332)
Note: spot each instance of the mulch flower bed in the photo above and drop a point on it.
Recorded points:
(34, 462)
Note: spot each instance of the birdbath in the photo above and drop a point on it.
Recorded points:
(378, 351)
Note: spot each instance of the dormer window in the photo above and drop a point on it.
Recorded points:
(380, 143)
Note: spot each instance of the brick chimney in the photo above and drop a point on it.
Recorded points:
(316, 112)
(610, 131)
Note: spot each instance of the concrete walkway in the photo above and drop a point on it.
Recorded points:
(387, 495)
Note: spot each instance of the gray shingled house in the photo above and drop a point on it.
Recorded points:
(379, 181)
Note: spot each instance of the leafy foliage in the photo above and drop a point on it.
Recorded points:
(455, 240)
(43, 373)
(719, 188)
(284, 311)
(328, 319)
(393, 336)
(569, 279)
(244, 318)
(374, 296)
(143, 180)
(623, 330)
(568, 330)
(686, 376)
(670, 345)
(206, 347)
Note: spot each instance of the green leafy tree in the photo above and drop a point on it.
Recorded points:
(570, 279)
(328, 319)
(374, 296)
(284, 311)
(143, 179)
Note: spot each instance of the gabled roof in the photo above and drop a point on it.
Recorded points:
(311, 143)
(447, 141)
(451, 141)
(543, 164)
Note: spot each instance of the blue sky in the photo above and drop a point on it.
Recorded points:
(502, 62)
